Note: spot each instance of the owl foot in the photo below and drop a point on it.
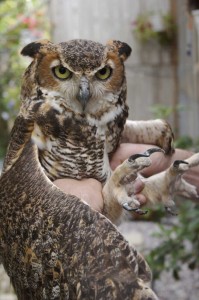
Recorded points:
(136, 210)
(118, 191)
(162, 187)
(171, 210)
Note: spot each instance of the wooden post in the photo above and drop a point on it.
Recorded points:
(174, 60)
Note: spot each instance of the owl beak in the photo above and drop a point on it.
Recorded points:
(84, 92)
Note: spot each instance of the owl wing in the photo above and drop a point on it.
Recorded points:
(20, 135)
(57, 247)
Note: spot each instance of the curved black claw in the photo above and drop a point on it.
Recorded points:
(135, 156)
(136, 210)
(153, 150)
(178, 162)
(171, 210)
(147, 153)
(141, 212)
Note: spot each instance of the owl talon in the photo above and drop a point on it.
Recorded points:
(147, 153)
(135, 156)
(171, 211)
(153, 150)
(128, 207)
(137, 210)
(141, 212)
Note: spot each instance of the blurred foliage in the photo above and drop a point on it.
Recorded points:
(21, 22)
(167, 37)
(162, 111)
(184, 142)
(179, 243)
(143, 28)
(145, 31)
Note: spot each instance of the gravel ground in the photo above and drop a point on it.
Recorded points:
(139, 234)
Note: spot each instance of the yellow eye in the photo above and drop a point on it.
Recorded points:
(62, 72)
(104, 73)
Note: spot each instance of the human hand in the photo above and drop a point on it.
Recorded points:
(88, 190)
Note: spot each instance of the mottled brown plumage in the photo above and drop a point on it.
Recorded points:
(53, 246)
(75, 132)
(72, 116)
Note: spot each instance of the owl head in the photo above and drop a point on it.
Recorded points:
(87, 75)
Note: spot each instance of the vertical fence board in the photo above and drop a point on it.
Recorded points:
(188, 97)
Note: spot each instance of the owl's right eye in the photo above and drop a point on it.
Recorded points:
(62, 72)
(104, 73)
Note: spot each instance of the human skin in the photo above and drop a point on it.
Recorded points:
(90, 190)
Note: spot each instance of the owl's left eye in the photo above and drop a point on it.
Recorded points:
(104, 73)
(62, 72)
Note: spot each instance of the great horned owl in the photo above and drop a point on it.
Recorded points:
(75, 94)
(72, 117)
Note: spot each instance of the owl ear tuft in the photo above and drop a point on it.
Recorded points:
(34, 48)
(123, 49)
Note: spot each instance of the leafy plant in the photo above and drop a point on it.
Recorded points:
(184, 142)
(167, 37)
(161, 110)
(164, 112)
(143, 28)
(180, 243)
(145, 31)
